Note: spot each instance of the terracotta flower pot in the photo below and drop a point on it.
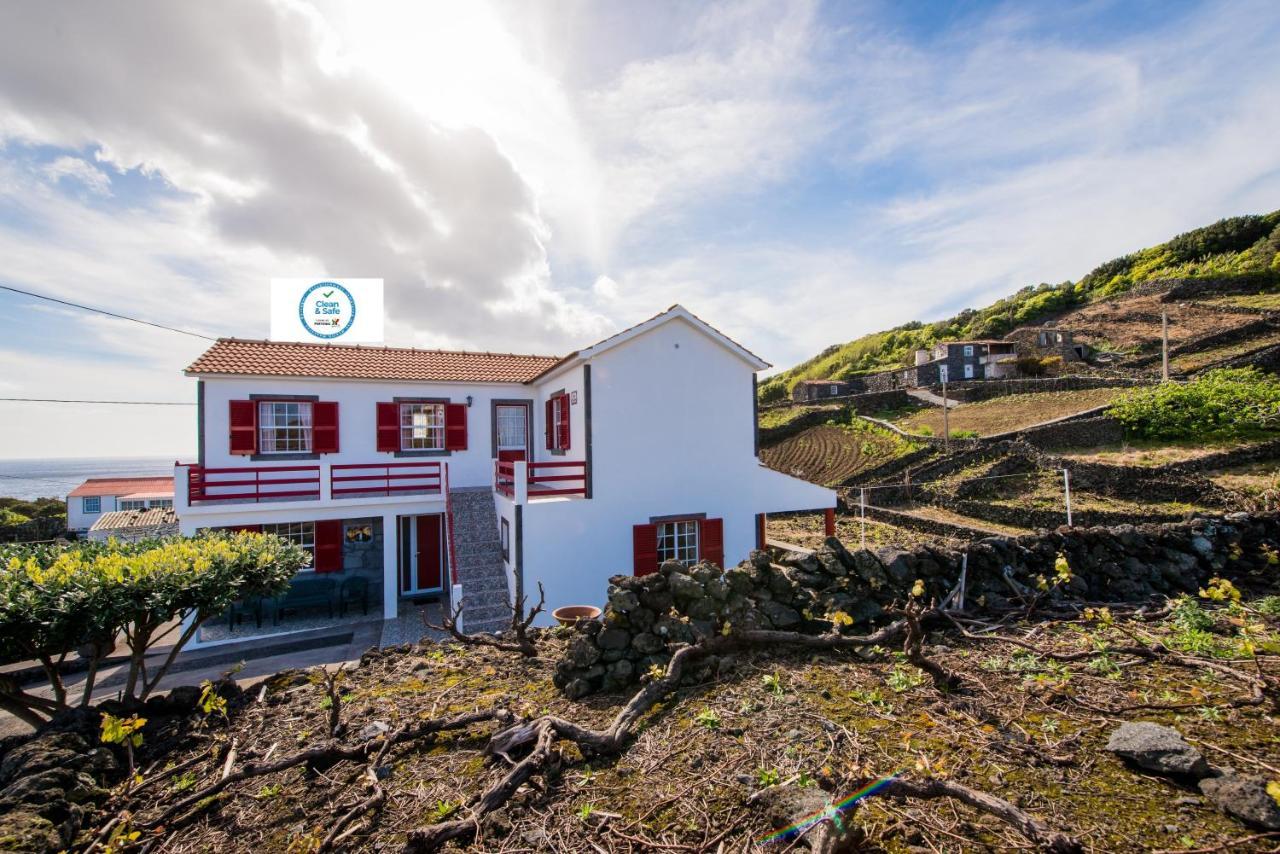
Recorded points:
(570, 614)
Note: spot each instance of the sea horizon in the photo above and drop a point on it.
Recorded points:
(53, 477)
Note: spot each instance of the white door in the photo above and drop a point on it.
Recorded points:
(968, 372)
(513, 432)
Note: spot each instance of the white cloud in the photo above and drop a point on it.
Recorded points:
(82, 171)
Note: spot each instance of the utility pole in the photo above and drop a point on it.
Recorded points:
(1164, 346)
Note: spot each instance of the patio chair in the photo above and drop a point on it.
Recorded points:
(241, 608)
(354, 589)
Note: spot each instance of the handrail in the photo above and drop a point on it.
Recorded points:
(504, 477)
(201, 480)
(537, 480)
(384, 478)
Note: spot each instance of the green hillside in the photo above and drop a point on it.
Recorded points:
(1230, 247)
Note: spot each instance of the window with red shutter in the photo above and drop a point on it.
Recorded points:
(328, 549)
(324, 438)
(455, 427)
(243, 420)
(711, 541)
(388, 420)
(562, 422)
(644, 539)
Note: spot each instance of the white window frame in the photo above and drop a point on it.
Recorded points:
(300, 534)
(161, 502)
(91, 504)
(132, 504)
(835, 389)
(421, 426)
(285, 427)
(678, 540)
(968, 349)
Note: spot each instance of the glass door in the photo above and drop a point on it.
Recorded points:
(513, 431)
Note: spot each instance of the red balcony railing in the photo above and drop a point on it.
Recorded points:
(504, 478)
(352, 480)
(568, 477)
(553, 477)
(253, 483)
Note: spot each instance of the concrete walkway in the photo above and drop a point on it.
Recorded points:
(925, 396)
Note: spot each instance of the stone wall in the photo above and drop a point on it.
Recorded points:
(858, 403)
(987, 389)
(1080, 433)
(679, 604)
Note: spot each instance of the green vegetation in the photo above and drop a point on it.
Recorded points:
(59, 599)
(1244, 245)
(778, 416)
(1238, 402)
(16, 511)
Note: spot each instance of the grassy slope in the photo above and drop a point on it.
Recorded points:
(1002, 414)
(1235, 246)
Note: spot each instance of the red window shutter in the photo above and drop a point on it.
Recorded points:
(243, 419)
(711, 541)
(644, 540)
(389, 427)
(455, 426)
(562, 424)
(550, 422)
(324, 433)
(328, 545)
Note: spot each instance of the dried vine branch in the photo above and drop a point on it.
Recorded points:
(520, 624)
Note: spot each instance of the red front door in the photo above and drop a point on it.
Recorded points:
(428, 554)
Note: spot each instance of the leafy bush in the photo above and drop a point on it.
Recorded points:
(57, 599)
(1223, 403)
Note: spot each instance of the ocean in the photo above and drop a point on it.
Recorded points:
(56, 477)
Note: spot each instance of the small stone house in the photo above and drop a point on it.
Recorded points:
(810, 390)
(960, 361)
(1045, 341)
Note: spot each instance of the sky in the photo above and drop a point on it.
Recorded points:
(530, 177)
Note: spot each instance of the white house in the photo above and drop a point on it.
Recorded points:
(432, 473)
(97, 495)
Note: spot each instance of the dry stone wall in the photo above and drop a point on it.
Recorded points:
(647, 616)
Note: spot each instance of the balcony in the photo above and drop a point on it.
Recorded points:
(262, 484)
(521, 481)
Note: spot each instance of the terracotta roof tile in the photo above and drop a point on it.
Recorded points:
(345, 361)
(149, 518)
(123, 486)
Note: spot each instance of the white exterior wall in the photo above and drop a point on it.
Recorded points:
(78, 520)
(357, 420)
(672, 434)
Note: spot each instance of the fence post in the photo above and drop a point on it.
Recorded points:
(862, 502)
(1066, 488)
(829, 522)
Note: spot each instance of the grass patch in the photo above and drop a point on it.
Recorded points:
(1014, 412)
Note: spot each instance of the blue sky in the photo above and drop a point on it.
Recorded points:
(530, 177)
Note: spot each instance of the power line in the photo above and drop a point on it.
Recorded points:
(108, 313)
(112, 402)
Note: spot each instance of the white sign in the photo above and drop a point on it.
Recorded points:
(337, 311)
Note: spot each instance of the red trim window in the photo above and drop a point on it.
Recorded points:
(285, 427)
(422, 425)
(557, 422)
(678, 540)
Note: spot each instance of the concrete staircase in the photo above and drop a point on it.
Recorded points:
(485, 597)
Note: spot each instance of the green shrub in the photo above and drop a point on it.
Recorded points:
(57, 599)
(1222, 404)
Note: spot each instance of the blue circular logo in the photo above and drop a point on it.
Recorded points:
(327, 310)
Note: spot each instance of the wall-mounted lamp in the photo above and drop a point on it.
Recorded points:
(468, 401)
